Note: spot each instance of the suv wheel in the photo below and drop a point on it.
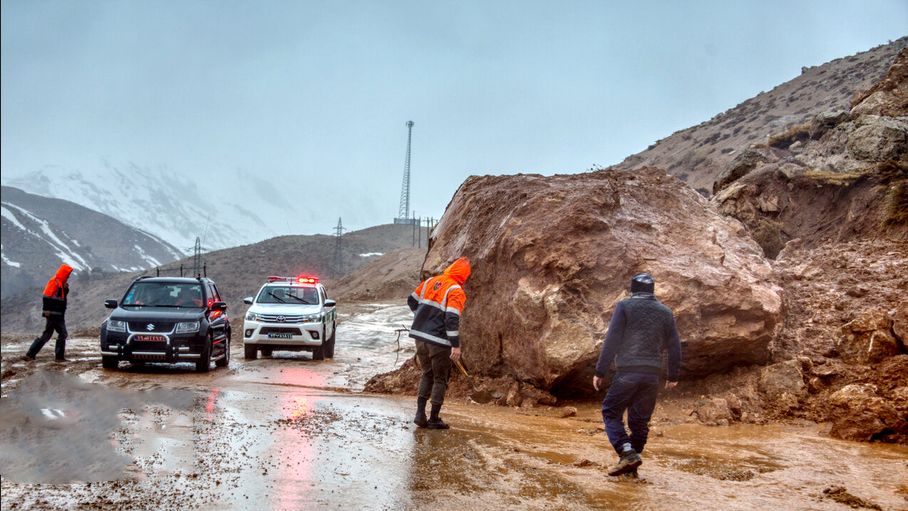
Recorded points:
(109, 362)
(225, 360)
(250, 352)
(204, 363)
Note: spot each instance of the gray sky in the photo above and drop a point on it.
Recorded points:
(317, 93)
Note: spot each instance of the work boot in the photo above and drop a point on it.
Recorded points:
(28, 358)
(435, 421)
(61, 360)
(421, 420)
(628, 462)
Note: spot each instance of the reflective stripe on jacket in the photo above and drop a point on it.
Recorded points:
(438, 303)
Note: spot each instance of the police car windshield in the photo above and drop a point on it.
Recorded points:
(164, 294)
(288, 294)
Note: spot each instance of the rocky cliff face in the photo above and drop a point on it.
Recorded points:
(699, 154)
(552, 255)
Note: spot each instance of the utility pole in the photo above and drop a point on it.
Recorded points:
(404, 209)
(338, 248)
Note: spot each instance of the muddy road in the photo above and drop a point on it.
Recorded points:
(290, 433)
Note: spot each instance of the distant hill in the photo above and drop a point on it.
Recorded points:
(166, 204)
(39, 233)
(237, 271)
(700, 153)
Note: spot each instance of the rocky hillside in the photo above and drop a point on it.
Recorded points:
(39, 233)
(238, 272)
(788, 285)
(698, 154)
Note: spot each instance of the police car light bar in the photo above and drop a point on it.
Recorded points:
(302, 279)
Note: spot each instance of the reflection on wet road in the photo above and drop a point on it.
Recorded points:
(290, 433)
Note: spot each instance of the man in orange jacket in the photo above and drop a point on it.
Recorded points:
(438, 303)
(54, 309)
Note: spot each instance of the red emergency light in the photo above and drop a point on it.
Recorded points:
(302, 279)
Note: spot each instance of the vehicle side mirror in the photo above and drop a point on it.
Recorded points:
(110, 304)
(219, 306)
(330, 303)
(247, 300)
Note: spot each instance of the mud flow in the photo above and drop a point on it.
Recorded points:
(287, 432)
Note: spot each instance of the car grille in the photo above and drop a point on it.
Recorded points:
(276, 318)
(159, 326)
(148, 346)
(279, 330)
(148, 357)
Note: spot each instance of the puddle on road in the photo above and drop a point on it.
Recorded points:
(55, 428)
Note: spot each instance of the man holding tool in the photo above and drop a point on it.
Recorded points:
(438, 303)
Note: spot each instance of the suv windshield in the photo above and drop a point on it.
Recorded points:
(164, 294)
(288, 294)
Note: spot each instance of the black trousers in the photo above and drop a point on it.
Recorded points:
(435, 362)
(54, 323)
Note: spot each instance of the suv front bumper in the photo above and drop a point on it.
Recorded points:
(173, 348)
(283, 334)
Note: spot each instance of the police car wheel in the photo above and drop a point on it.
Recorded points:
(250, 352)
(109, 362)
(318, 353)
(329, 352)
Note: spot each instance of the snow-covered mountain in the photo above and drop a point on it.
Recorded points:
(174, 207)
(39, 233)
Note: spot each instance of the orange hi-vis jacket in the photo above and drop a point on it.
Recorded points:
(54, 299)
(438, 303)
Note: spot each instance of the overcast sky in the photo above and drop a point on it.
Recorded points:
(316, 94)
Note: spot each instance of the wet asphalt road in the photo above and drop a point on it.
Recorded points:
(290, 433)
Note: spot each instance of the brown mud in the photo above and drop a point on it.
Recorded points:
(290, 433)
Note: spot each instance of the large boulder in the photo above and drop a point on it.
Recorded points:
(552, 255)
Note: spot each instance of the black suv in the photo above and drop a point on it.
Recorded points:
(167, 319)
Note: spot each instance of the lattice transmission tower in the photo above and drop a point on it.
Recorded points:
(403, 212)
(338, 248)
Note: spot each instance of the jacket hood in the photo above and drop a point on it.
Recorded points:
(459, 270)
(56, 285)
(63, 273)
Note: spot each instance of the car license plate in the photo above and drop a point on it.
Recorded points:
(149, 338)
(280, 335)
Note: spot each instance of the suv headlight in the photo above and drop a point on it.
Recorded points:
(115, 325)
(313, 318)
(186, 327)
(250, 316)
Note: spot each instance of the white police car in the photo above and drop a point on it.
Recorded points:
(290, 314)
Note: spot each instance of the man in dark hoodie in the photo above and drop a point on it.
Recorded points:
(438, 303)
(54, 309)
(640, 328)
